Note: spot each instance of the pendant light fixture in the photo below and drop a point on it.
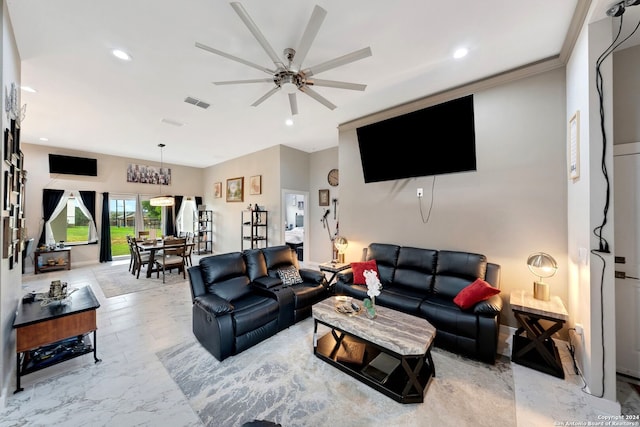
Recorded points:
(161, 200)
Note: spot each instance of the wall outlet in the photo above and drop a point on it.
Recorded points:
(419, 192)
(579, 329)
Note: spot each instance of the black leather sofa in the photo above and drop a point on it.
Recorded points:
(239, 299)
(424, 282)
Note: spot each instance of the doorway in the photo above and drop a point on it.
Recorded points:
(627, 236)
(295, 220)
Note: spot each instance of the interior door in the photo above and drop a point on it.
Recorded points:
(627, 241)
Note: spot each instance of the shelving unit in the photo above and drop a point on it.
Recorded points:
(204, 234)
(254, 229)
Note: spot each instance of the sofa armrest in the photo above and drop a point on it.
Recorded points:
(267, 282)
(345, 276)
(314, 276)
(490, 307)
(213, 304)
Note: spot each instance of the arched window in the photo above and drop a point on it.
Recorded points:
(72, 221)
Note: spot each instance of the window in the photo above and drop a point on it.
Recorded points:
(71, 221)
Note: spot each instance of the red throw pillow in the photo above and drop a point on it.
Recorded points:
(474, 293)
(359, 268)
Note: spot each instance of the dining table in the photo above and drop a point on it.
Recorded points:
(153, 246)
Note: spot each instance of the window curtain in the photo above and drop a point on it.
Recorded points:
(198, 202)
(105, 230)
(178, 208)
(62, 204)
(139, 219)
(169, 224)
(50, 199)
(187, 218)
(89, 200)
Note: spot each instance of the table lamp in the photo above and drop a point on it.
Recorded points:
(542, 265)
(340, 243)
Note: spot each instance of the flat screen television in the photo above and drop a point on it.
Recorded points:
(71, 165)
(436, 140)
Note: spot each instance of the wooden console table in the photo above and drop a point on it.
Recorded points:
(51, 334)
(55, 254)
(533, 345)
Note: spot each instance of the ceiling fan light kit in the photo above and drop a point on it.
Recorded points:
(289, 75)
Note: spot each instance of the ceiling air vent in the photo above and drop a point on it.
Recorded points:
(197, 102)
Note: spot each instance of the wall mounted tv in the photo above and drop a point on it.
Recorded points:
(436, 140)
(73, 165)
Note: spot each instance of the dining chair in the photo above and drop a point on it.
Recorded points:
(188, 250)
(173, 256)
(132, 259)
(143, 234)
(141, 259)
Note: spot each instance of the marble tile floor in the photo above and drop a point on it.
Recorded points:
(131, 387)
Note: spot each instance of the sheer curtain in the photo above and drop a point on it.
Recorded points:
(187, 217)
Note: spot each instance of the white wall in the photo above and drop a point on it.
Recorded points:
(10, 280)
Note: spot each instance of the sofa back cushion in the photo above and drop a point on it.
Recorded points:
(386, 256)
(457, 270)
(225, 275)
(278, 257)
(415, 269)
(256, 265)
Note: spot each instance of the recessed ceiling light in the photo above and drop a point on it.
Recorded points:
(460, 53)
(121, 54)
(28, 89)
(288, 122)
(44, 139)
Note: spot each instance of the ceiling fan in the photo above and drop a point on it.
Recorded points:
(289, 74)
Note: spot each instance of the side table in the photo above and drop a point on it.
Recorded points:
(334, 268)
(533, 345)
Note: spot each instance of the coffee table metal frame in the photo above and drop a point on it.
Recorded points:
(406, 384)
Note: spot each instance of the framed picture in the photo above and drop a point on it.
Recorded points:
(8, 146)
(235, 190)
(323, 197)
(255, 184)
(217, 190)
(574, 146)
(8, 183)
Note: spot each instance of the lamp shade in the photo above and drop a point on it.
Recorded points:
(341, 244)
(161, 201)
(542, 265)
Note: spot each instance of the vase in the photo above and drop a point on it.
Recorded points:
(371, 308)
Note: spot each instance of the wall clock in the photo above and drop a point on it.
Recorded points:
(333, 177)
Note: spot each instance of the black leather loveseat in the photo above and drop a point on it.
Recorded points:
(425, 282)
(239, 298)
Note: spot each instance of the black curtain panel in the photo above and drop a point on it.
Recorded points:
(198, 202)
(169, 226)
(89, 200)
(50, 199)
(105, 230)
(178, 200)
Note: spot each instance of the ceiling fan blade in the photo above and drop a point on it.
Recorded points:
(337, 62)
(333, 83)
(234, 58)
(309, 35)
(265, 96)
(242, 13)
(233, 82)
(315, 95)
(293, 103)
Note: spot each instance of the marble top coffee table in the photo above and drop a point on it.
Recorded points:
(391, 353)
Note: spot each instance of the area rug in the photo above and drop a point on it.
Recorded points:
(117, 280)
(280, 380)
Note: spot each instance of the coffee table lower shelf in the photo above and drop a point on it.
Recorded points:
(402, 383)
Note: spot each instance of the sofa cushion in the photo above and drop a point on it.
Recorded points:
(279, 256)
(289, 275)
(444, 315)
(415, 269)
(478, 291)
(252, 312)
(386, 256)
(359, 268)
(457, 270)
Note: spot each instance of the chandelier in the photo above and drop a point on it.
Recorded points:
(161, 200)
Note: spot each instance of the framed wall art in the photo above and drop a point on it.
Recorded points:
(323, 197)
(217, 190)
(255, 184)
(235, 189)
